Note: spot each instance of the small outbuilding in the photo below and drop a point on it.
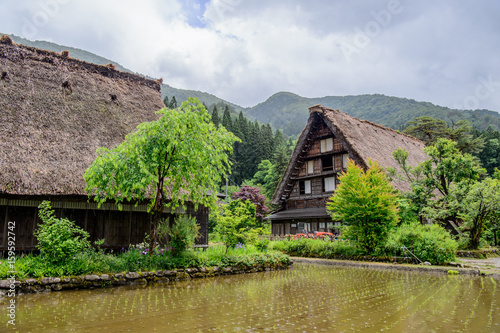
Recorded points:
(55, 111)
(328, 140)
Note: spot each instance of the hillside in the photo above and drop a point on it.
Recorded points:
(73, 52)
(209, 99)
(289, 111)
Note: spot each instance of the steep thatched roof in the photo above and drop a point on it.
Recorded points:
(362, 139)
(56, 111)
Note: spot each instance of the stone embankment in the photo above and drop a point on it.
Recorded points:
(48, 284)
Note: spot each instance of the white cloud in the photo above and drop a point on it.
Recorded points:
(244, 51)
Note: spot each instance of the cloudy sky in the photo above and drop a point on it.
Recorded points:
(444, 52)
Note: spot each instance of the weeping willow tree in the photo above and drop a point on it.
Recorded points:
(179, 158)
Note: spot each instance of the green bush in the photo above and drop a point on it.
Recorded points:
(137, 259)
(430, 243)
(59, 240)
(317, 248)
(183, 233)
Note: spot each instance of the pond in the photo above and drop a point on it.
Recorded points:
(305, 298)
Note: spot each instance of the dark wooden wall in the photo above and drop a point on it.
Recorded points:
(118, 228)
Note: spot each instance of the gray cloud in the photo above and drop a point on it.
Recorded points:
(244, 51)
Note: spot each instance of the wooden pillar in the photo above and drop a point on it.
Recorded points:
(130, 225)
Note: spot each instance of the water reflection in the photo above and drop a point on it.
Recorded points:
(306, 298)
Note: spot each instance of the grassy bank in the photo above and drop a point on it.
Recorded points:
(138, 260)
(345, 250)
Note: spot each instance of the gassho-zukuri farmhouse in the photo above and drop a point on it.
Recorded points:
(328, 140)
(55, 112)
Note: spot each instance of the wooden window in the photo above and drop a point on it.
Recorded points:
(330, 225)
(329, 184)
(310, 167)
(327, 163)
(345, 157)
(322, 225)
(326, 145)
(305, 187)
(293, 225)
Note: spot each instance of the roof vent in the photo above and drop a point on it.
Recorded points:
(67, 89)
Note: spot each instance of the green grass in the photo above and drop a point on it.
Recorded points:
(92, 262)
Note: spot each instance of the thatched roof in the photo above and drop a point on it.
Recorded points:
(55, 111)
(363, 140)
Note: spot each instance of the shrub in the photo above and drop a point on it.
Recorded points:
(237, 223)
(317, 248)
(367, 203)
(428, 242)
(183, 233)
(59, 240)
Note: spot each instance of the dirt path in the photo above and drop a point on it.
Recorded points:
(491, 265)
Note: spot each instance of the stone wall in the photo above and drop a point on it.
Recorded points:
(48, 284)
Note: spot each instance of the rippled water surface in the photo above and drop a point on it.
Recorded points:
(305, 298)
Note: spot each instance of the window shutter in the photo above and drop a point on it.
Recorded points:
(329, 144)
(345, 157)
(307, 186)
(329, 184)
(310, 167)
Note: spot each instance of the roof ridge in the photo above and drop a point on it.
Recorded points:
(324, 108)
(65, 56)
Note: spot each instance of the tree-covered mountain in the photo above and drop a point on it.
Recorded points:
(73, 52)
(182, 95)
(289, 112)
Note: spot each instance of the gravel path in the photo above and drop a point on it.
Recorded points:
(491, 265)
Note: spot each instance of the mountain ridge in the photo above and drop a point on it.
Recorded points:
(288, 111)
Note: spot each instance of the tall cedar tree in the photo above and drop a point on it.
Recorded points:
(215, 116)
(367, 203)
(177, 159)
(226, 119)
(173, 103)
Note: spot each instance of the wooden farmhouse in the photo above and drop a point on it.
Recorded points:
(55, 111)
(328, 140)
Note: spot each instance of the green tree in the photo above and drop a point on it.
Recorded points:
(427, 129)
(179, 158)
(215, 116)
(481, 207)
(266, 142)
(431, 181)
(58, 239)
(183, 233)
(165, 101)
(446, 165)
(173, 103)
(490, 155)
(367, 204)
(430, 129)
(236, 223)
(226, 119)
